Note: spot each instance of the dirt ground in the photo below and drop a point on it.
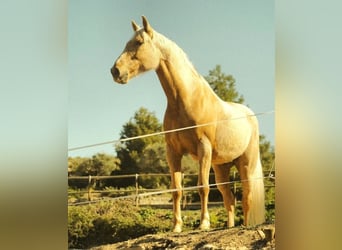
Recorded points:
(238, 238)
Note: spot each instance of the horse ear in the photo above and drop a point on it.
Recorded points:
(147, 27)
(135, 26)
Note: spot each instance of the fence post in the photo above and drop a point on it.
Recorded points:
(234, 176)
(136, 190)
(89, 188)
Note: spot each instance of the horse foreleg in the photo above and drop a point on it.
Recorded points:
(176, 183)
(204, 154)
(222, 176)
(176, 196)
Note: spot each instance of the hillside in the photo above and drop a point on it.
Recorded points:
(234, 238)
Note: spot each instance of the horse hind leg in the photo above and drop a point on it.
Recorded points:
(222, 176)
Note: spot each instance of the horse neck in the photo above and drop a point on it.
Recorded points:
(177, 75)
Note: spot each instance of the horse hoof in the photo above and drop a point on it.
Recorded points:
(204, 226)
(177, 229)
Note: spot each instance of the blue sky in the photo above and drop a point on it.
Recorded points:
(238, 35)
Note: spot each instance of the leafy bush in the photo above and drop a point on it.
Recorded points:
(80, 224)
(110, 222)
(115, 221)
(270, 205)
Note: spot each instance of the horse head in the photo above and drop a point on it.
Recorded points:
(140, 54)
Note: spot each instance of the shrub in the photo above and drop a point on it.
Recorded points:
(114, 221)
(80, 223)
(110, 222)
(105, 222)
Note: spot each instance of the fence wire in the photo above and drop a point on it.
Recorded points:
(165, 132)
(135, 196)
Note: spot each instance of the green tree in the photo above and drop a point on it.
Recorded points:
(266, 153)
(143, 155)
(74, 163)
(153, 160)
(99, 164)
(223, 85)
(267, 160)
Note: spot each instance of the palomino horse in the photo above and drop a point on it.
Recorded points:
(232, 140)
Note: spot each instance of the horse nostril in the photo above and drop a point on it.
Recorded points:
(115, 72)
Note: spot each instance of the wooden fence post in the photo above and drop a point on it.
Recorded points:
(136, 190)
(234, 176)
(89, 188)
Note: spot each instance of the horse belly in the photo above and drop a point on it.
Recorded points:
(231, 141)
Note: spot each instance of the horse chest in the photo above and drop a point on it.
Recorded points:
(187, 140)
(183, 142)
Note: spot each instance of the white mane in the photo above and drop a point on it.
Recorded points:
(173, 53)
(170, 50)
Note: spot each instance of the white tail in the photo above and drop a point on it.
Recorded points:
(256, 211)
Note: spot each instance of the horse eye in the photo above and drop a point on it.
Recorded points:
(139, 42)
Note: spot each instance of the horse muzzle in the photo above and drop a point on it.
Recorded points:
(118, 76)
